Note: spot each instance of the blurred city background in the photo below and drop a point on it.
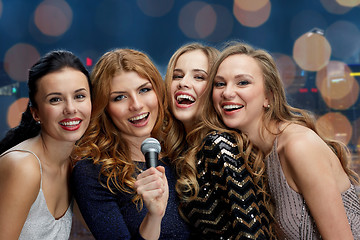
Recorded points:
(316, 44)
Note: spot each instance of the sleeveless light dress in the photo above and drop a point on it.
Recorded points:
(291, 212)
(40, 223)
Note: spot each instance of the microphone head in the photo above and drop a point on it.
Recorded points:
(150, 145)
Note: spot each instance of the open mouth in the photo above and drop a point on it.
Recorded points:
(70, 123)
(232, 107)
(184, 99)
(139, 119)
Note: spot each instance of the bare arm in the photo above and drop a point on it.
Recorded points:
(152, 186)
(312, 167)
(19, 187)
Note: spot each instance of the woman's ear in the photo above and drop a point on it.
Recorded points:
(35, 114)
(268, 100)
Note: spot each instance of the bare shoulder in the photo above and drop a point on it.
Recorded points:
(297, 136)
(20, 167)
(298, 141)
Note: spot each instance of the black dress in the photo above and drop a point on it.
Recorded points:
(228, 206)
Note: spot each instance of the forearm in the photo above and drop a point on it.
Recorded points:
(150, 227)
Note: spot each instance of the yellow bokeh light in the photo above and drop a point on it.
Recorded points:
(348, 3)
(334, 81)
(346, 102)
(338, 88)
(53, 17)
(333, 6)
(336, 126)
(252, 18)
(250, 5)
(15, 111)
(312, 51)
(19, 59)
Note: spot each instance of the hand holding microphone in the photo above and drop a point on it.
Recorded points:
(153, 188)
(152, 184)
(151, 148)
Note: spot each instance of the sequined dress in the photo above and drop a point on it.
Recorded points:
(292, 214)
(227, 206)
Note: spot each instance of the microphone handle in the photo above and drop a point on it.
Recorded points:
(151, 159)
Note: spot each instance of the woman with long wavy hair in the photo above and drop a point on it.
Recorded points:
(309, 178)
(219, 196)
(117, 196)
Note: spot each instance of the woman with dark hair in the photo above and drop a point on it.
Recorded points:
(35, 165)
(119, 198)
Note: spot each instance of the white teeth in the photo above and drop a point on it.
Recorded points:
(231, 107)
(142, 116)
(182, 97)
(71, 123)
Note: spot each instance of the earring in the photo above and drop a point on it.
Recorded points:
(268, 106)
(38, 122)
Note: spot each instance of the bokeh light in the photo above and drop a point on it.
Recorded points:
(312, 51)
(336, 126)
(344, 102)
(348, 3)
(15, 110)
(53, 17)
(347, 101)
(252, 18)
(19, 59)
(287, 68)
(338, 88)
(332, 6)
(224, 24)
(250, 5)
(334, 81)
(197, 20)
(155, 8)
(355, 140)
(1, 7)
(344, 38)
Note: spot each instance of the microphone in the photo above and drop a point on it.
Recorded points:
(151, 148)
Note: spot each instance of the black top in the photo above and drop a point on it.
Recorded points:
(228, 206)
(114, 216)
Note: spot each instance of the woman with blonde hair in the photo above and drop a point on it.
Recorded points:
(219, 197)
(309, 178)
(199, 59)
(118, 197)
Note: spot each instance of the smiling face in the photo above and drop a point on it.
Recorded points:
(133, 105)
(189, 81)
(239, 94)
(63, 104)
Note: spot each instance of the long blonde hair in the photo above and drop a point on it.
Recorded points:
(102, 142)
(176, 138)
(280, 110)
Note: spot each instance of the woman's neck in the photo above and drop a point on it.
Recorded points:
(53, 152)
(134, 145)
(263, 138)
